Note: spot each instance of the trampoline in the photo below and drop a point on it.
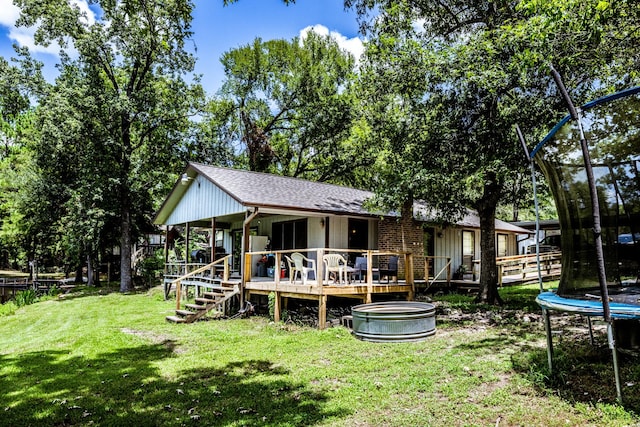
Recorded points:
(591, 161)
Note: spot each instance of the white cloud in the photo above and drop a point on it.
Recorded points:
(353, 45)
(24, 36)
(9, 13)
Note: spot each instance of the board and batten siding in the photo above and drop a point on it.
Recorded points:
(203, 199)
(450, 244)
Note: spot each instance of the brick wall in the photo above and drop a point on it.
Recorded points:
(402, 234)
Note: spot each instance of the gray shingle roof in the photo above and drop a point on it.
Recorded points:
(267, 190)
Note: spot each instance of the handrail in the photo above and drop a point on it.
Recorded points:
(446, 267)
(527, 257)
(178, 281)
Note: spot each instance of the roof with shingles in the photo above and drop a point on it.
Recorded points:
(275, 191)
(256, 189)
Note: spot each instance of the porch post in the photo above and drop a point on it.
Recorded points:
(213, 240)
(166, 260)
(186, 247)
(246, 229)
(166, 248)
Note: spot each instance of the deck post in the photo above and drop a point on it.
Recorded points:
(276, 306)
(178, 292)
(246, 270)
(427, 268)
(320, 268)
(322, 312)
(277, 270)
(369, 276)
(409, 275)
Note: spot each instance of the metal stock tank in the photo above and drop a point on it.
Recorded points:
(394, 321)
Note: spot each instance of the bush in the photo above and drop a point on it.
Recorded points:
(151, 267)
(26, 297)
(8, 308)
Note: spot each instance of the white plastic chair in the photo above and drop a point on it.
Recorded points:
(302, 265)
(335, 263)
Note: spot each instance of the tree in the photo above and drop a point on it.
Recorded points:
(127, 88)
(445, 82)
(20, 81)
(288, 103)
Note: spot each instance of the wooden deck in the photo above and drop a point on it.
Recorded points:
(321, 292)
(512, 270)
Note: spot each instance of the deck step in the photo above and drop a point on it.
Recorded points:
(206, 300)
(176, 319)
(184, 313)
(213, 295)
(196, 306)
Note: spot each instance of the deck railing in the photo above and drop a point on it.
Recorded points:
(196, 270)
(373, 262)
(526, 265)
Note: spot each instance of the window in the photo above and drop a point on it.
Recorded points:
(468, 248)
(289, 235)
(502, 245)
(468, 243)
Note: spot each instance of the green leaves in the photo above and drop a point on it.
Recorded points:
(113, 125)
(288, 104)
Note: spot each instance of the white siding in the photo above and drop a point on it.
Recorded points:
(203, 200)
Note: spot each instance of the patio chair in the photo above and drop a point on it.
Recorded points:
(390, 271)
(335, 264)
(292, 268)
(302, 265)
(361, 267)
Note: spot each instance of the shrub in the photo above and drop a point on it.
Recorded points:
(150, 268)
(27, 297)
(272, 305)
(8, 308)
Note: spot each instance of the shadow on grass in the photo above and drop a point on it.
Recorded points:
(81, 291)
(125, 388)
(581, 373)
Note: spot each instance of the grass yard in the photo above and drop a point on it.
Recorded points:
(96, 357)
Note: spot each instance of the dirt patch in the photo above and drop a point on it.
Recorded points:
(163, 340)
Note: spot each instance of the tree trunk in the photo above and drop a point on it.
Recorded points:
(486, 207)
(79, 279)
(126, 283)
(89, 271)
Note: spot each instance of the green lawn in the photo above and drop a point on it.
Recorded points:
(102, 358)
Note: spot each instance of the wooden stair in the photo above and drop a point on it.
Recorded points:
(211, 299)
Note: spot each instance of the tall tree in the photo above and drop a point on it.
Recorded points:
(288, 103)
(128, 82)
(20, 82)
(446, 81)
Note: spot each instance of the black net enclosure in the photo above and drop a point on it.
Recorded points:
(611, 128)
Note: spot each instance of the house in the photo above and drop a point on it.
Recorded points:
(296, 214)
(254, 215)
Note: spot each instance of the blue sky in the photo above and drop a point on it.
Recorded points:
(218, 29)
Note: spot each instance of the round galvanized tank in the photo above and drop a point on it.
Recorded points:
(394, 321)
